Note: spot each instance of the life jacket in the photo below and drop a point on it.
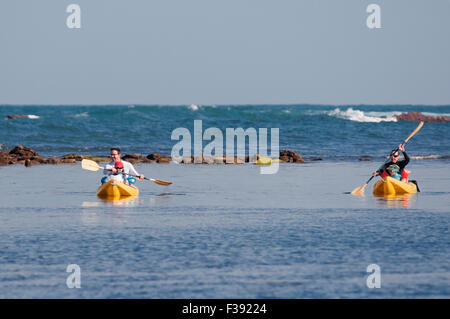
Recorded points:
(405, 174)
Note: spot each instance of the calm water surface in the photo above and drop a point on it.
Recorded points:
(224, 232)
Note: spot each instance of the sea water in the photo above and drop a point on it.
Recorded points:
(330, 132)
(224, 231)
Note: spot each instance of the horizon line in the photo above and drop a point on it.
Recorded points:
(230, 104)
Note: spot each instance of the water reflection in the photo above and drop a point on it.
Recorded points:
(99, 211)
(399, 201)
(129, 201)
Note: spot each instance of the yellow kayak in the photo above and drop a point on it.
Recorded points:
(389, 186)
(115, 189)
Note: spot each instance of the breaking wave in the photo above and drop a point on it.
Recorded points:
(360, 116)
(193, 107)
(429, 157)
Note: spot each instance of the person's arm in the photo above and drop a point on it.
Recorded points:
(406, 160)
(132, 171)
(382, 169)
(108, 168)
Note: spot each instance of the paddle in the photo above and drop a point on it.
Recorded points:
(93, 166)
(360, 190)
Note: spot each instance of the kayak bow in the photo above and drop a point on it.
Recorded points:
(115, 189)
(389, 186)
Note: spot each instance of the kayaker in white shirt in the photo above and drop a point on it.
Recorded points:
(128, 168)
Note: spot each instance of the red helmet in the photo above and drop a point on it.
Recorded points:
(118, 165)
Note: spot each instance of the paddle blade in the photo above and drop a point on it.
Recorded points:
(359, 191)
(159, 182)
(90, 165)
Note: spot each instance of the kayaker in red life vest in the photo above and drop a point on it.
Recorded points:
(127, 166)
(395, 168)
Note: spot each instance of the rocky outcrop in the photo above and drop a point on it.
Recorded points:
(132, 157)
(76, 157)
(21, 152)
(15, 116)
(291, 157)
(5, 158)
(215, 159)
(135, 156)
(100, 159)
(54, 160)
(146, 160)
(29, 157)
(69, 161)
(158, 158)
(418, 116)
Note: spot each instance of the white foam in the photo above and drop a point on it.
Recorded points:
(84, 114)
(429, 157)
(435, 114)
(31, 116)
(193, 107)
(360, 116)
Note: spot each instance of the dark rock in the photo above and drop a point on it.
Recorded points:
(15, 116)
(159, 158)
(156, 156)
(296, 158)
(68, 160)
(163, 160)
(28, 163)
(187, 160)
(4, 158)
(234, 159)
(76, 157)
(22, 153)
(286, 159)
(153, 156)
(53, 160)
(131, 160)
(367, 159)
(39, 159)
(418, 116)
(146, 160)
(134, 156)
(318, 159)
(100, 159)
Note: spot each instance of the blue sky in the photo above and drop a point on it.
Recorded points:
(225, 52)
